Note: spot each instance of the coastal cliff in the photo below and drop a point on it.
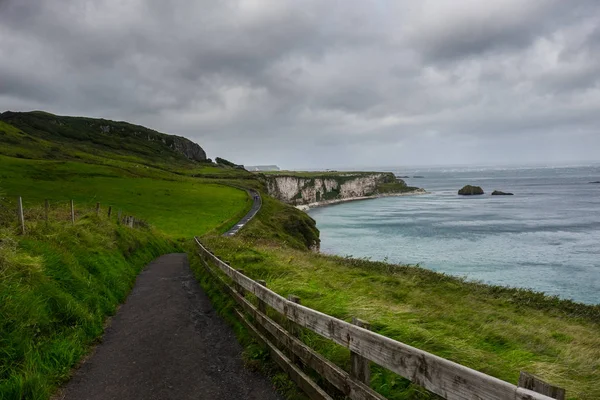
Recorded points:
(327, 187)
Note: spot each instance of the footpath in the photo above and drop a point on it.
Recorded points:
(167, 342)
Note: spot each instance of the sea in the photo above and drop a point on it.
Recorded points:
(546, 237)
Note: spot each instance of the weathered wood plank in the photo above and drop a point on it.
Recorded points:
(239, 287)
(293, 328)
(526, 394)
(360, 365)
(350, 387)
(339, 378)
(536, 384)
(262, 306)
(268, 296)
(300, 378)
(443, 377)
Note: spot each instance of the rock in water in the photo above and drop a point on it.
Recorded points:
(499, 193)
(595, 182)
(470, 190)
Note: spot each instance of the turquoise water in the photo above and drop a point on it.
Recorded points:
(546, 237)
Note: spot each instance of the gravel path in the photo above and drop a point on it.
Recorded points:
(167, 342)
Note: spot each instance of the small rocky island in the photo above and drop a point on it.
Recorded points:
(500, 193)
(470, 191)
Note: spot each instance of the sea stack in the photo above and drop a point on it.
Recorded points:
(470, 191)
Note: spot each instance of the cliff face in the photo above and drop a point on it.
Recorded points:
(191, 151)
(299, 190)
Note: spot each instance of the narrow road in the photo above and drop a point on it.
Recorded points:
(257, 203)
(167, 342)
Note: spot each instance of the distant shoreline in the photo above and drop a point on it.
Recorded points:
(306, 207)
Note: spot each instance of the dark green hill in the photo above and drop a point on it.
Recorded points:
(41, 135)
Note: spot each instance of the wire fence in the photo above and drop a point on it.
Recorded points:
(14, 213)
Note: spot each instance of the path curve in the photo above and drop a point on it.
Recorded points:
(167, 342)
(256, 205)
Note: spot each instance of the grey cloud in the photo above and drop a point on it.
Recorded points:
(317, 83)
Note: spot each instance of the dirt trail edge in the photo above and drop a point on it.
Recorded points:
(167, 342)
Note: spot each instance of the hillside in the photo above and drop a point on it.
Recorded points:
(42, 135)
(131, 168)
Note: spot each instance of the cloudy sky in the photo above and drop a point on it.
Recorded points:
(329, 83)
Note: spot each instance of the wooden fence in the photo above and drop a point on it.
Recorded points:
(127, 220)
(438, 375)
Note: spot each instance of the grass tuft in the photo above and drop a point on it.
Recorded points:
(59, 283)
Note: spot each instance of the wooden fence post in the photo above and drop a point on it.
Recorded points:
(532, 382)
(131, 219)
(360, 365)
(72, 213)
(21, 216)
(262, 306)
(238, 287)
(119, 216)
(97, 208)
(46, 209)
(293, 328)
(109, 211)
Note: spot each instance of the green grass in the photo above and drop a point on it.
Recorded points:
(56, 136)
(136, 149)
(180, 208)
(282, 224)
(58, 284)
(498, 331)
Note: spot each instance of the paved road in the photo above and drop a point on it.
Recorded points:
(166, 342)
(255, 208)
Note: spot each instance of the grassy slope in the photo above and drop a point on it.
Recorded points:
(495, 330)
(51, 136)
(58, 284)
(181, 208)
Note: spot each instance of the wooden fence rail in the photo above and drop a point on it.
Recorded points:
(443, 377)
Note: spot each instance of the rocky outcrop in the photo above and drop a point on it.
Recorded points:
(469, 190)
(192, 151)
(312, 188)
(500, 193)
